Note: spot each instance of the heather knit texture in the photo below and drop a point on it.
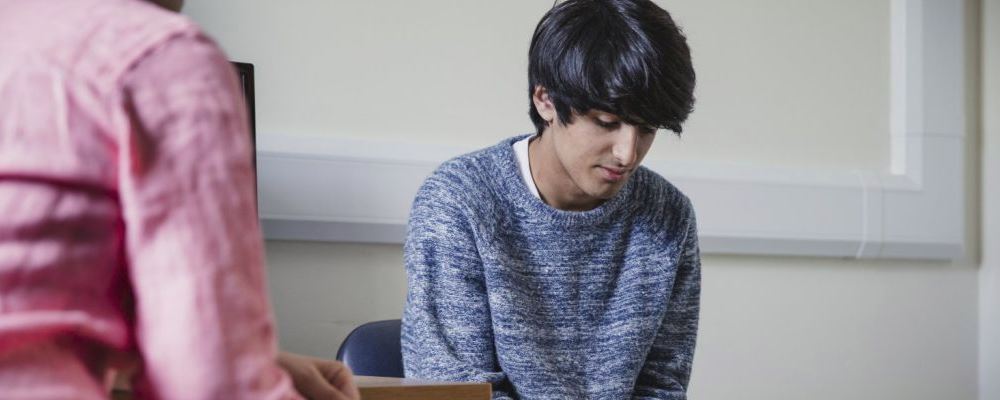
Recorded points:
(544, 303)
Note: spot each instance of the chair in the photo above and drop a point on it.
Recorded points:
(373, 349)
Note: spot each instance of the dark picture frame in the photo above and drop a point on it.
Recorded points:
(245, 73)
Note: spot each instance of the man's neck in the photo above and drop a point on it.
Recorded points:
(555, 186)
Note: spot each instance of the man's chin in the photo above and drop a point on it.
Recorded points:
(607, 193)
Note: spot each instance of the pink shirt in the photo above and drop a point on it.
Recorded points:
(127, 215)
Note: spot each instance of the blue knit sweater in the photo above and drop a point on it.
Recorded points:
(545, 303)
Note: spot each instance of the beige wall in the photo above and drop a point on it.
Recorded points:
(773, 74)
(780, 83)
(989, 334)
(321, 291)
(778, 74)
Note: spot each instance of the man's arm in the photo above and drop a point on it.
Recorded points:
(667, 369)
(203, 323)
(447, 328)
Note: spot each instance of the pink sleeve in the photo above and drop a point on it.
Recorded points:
(203, 321)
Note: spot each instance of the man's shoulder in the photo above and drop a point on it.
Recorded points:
(99, 40)
(470, 174)
(653, 186)
(659, 200)
(466, 166)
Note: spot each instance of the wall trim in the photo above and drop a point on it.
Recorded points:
(351, 190)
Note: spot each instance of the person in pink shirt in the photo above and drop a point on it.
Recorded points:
(128, 228)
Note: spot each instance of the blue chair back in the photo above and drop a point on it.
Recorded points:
(373, 349)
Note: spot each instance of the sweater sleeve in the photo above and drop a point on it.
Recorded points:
(667, 369)
(447, 329)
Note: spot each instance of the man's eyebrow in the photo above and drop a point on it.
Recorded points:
(597, 111)
(636, 122)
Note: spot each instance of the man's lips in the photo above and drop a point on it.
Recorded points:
(614, 174)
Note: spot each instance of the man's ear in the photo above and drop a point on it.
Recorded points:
(543, 104)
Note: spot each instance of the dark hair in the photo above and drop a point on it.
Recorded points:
(625, 57)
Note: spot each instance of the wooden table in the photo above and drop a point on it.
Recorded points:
(379, 388)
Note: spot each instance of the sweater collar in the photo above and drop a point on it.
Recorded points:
(518, 194)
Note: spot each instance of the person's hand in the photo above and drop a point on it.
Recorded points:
(319, 379)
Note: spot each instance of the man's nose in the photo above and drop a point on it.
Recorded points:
(626, 145)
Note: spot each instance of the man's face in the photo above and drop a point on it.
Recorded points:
(590, 158)
(599, 152)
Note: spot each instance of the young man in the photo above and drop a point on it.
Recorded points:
(554, 266)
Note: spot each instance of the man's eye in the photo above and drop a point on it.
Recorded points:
(649, 130)
(608, 125)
